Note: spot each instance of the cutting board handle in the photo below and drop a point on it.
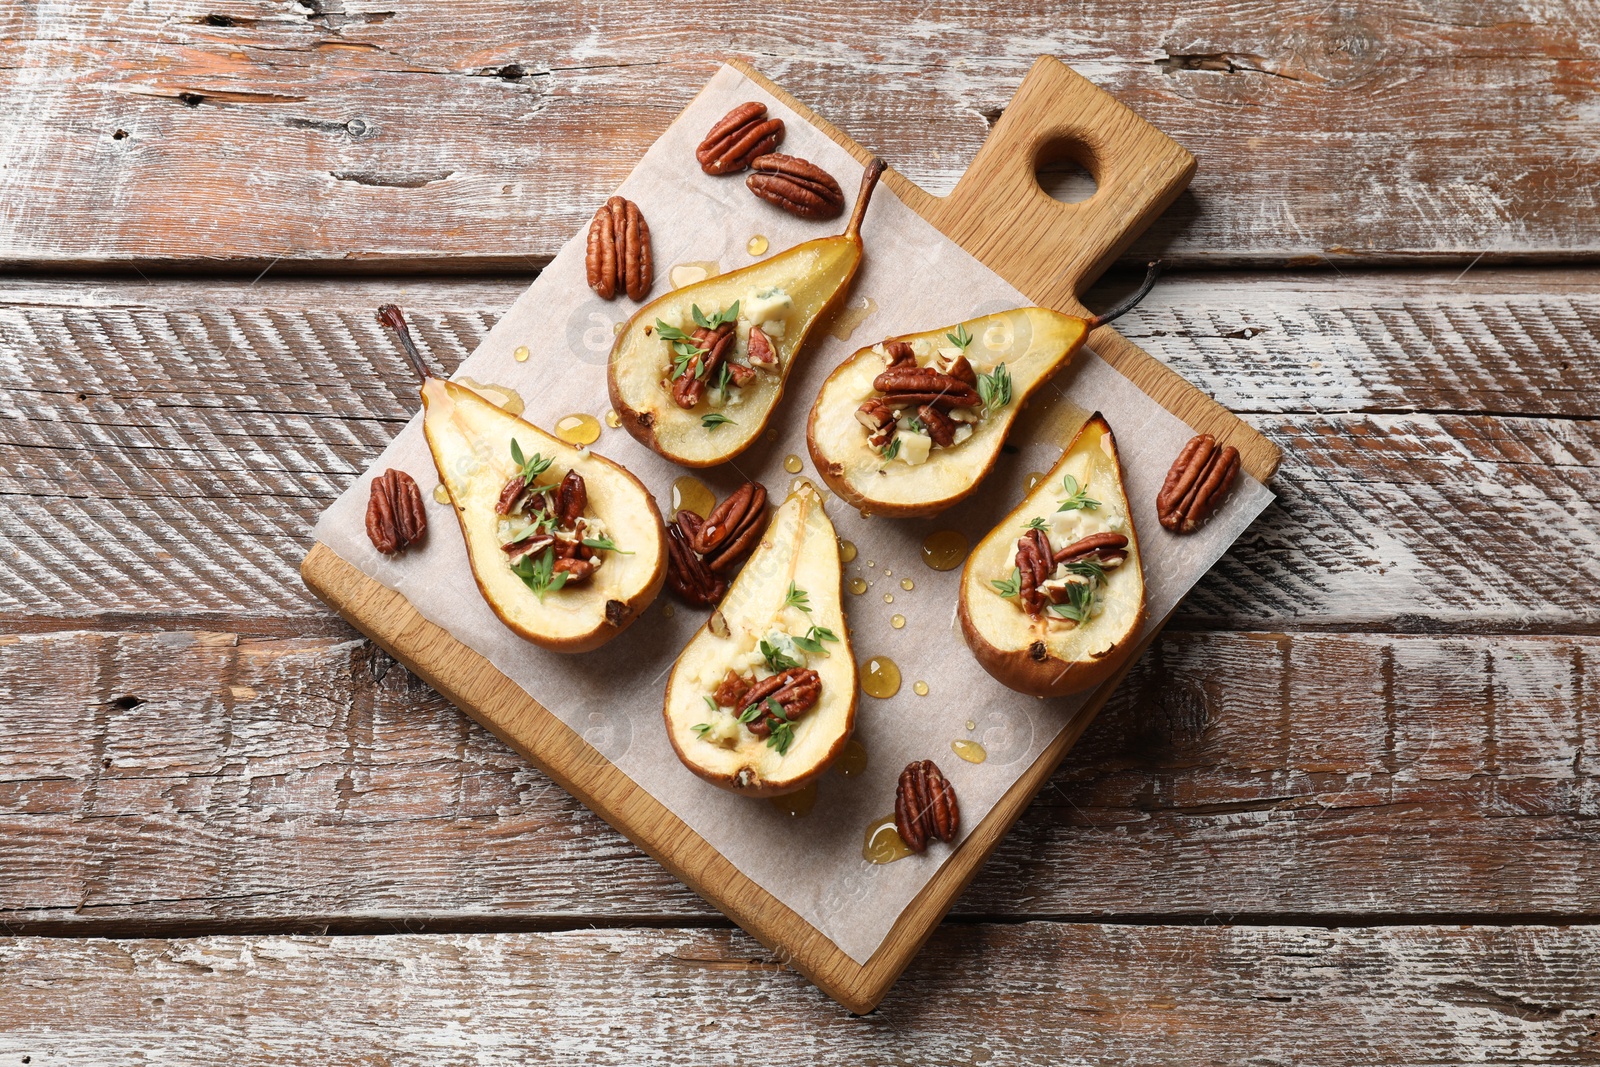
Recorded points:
(999, 212)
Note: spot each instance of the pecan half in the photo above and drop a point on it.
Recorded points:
(1034, 564)
(799, 187)
(941, 427)
(794, 690)
(571, 498)
(925, 806)
(761, 352)
(618, 258)
(900, 354)
(730, 694)
(395, 515)
(962, 371)
(687, 574)
(923, 385)
(1100, 544)
(1200, 477)
(733, 528)
(510, 495)
(715, 346)
(740, 136)
(740, 374)
(576, 570)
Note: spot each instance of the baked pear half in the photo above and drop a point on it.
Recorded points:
(697, 373)
(566, 546)
(763, 698)
(1052, 599)
(912, 425)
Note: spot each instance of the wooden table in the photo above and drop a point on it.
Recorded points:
(1346, 809)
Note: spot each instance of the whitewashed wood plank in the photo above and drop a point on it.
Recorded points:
(1021, 994)
(486, 131)
(180, 780)
(208, 427)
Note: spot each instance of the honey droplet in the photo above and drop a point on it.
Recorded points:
(796, 805)
(521, 354)
(971, 725)
(667, 610)
(907, 584)
(888, 574)
(578, 429)
(697, 270)
(920, 688)
(1031, 482)
(613, 420)
(888, 598)
(503, 397)
(757, 245)
(792, 463)
(804, 483)
(872, 563)
(943, 550)
(847, 551)
(970, 751)
(897, 621)
(692, 493)
(883, 843)
(844, 321)
(881, 678)
(858, 586)
(616, 327)
(853, 760)
(441, 494)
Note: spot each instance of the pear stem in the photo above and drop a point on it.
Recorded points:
(1131, 302)
(391, 316)
(869, 182)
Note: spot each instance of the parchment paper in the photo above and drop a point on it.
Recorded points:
(918, 279)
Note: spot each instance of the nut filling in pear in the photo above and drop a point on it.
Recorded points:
(912, 425)
(697, 373)
(566, 547)
(1052, 600)
(763, 698)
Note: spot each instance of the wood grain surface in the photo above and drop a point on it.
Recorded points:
(246, 132)
(179, 780)
(210, 424)
(1377, 713)
(1030, 993)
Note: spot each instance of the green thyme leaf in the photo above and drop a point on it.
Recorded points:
(530, 467)
(700, 729)
(961, 338)
(1036, 523)
(1091, 569)
(537, 574)
(672, 333)
(893, 449)
(797, 598)
(604, 544)
(995, 389)
(1011, 587)
(714, 419)
(777, 659)
(1080, 602)
(1077, 496)
(781, 738)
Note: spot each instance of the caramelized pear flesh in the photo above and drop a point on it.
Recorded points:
(773, 306)
(1091, 619)
(910, 478)
(783, 613)
(471, 441)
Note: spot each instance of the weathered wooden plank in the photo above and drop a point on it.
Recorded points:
(209, 426)
(485, 132)
(160, 781)
(1024, 994)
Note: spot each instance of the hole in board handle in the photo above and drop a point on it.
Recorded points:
(1064, 169)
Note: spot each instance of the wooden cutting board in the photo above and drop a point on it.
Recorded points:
(1052, 252)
